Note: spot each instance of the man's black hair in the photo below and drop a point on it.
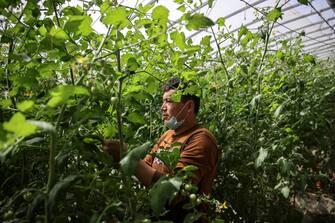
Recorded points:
(176, 83)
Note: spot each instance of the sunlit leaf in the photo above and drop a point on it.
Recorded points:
(25, 105)
(117, 16)
(176, 96)
(42, 30)
(129, 162)
(132, 64)
(19, 125)
(62, 93)
(160, 13)
(221, 21)
(58, 33)
(309, 58)
(274, 14)
(279, 109)
(163, 192)
(198, 21)
(179, 39)
(79, 25)
(285, 191)
(136, 118)
(262, 155)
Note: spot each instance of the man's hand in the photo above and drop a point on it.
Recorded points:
(112, 147)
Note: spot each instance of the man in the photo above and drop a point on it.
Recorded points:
(198, 145)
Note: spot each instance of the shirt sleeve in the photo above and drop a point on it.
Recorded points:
(200, 151)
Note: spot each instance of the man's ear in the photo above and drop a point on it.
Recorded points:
(191, 106)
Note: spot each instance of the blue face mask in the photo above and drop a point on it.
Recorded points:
(173, 122)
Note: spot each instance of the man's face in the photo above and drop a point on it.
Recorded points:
(170, 108)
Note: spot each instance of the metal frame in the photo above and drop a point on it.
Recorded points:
(324, 42)
(323, 35)
(326, 54)
(301, 17)
(323, 49)
(314, 42)
(307, 26)
(317, 48)
(319, 13)
(231, 15)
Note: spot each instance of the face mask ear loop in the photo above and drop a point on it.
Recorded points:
(180, 111)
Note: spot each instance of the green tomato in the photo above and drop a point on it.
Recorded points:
(193, 197)
(188, 187)
(183, 192)
(9, 214)
(28, 196)
(114, 100)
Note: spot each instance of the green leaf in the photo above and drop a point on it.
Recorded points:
(284, 165)
(162, 192)
(242, 31)
(169, 157)
(160, 13)
(179, 39)
(45, 126)
(210, 3)
(285, 191)
(280, 54)
(274, 14)
(132, 64)
(304, 2)
(255, 100)
(25, 105)
(129, 162)
(60, 187)
(79, 25)
(206, 41)
(279, 109)
(309, 58)
(198, 21)
(62, 93)
(136, 118)
(182, 8)
(117, 16)
(19, 125)
(221, 21)
(42, 30)
(262, 155)
(58, 34)
(176, 96)
(5, 103)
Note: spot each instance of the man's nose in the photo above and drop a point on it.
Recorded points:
(163, 107)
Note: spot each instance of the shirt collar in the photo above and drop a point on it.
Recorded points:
(184, 131)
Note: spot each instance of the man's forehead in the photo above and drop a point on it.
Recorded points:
(167, 94)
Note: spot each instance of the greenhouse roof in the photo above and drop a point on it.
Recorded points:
(314, 22)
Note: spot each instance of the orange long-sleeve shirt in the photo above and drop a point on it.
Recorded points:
(198, 148)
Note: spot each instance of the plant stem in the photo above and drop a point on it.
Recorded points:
(72, 77)
(56, 14)
(52, 162)
(227, 75)
(119, 104)
(51, 175)
(95, 57)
